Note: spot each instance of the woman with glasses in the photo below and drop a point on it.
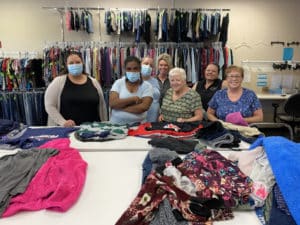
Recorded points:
(235, 104)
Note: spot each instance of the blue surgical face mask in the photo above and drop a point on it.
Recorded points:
(75, 69)
(146, 70)
(133, 76)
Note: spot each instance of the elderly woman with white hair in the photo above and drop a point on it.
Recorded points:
(180, 103)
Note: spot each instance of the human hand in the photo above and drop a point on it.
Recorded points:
(69, 123)
(137, 100)
(160, 118)
(180, 120)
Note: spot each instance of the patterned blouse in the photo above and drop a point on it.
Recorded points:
(183, 107)
(247, 104)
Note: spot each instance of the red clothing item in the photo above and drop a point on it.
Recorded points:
(167, 130)
(58, 183)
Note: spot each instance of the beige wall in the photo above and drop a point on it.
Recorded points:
(25, 26)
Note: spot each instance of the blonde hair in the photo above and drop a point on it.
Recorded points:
(167, 58)
(177, 71)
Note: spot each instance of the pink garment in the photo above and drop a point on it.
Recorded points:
(259, 191)
(68, 20)
(236, 118)
(58, 183)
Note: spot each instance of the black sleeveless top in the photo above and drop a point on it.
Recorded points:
(80, 102)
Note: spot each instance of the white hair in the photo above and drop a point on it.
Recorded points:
(177, 71)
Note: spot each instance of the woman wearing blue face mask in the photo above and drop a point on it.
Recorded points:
(130, 97)
(74, 98)
(146, 71)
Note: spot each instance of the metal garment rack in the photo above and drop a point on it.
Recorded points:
(151, 8)
(64, 44)
(61, 11)
(18, 54)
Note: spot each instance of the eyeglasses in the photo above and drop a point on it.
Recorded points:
(234, 76)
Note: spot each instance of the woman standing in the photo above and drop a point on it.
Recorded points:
(180, 103)
(130, 97)
(146, 71)
(235, 104)
(164, 63)
(74, 98)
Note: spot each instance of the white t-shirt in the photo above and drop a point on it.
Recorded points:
(121, 117)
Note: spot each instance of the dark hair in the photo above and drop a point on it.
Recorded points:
(74, 53)
(68, 54)
(132, 58)
(215, 64)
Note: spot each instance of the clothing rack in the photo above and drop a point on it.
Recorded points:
(193, 58)
(64, 44)
(18, 54)
(25, 107)
(61, 10)
(151, 8)
(75, 8)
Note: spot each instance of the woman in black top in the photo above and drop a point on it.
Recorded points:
(75, 97)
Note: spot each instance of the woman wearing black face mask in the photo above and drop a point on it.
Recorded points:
(74, 98)
(130, 97)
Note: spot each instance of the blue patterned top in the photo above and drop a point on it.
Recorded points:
(247, 104)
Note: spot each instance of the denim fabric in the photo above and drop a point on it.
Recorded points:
(279, 217)
(27, 106)
(23, 107)
(4, 106)
(147, 167)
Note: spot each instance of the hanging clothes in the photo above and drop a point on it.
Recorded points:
(106, 62)
(26, 107)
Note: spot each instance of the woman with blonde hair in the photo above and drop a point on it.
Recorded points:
(164, 64)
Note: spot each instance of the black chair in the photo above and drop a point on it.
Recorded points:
(292, 112)
(274, 129)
